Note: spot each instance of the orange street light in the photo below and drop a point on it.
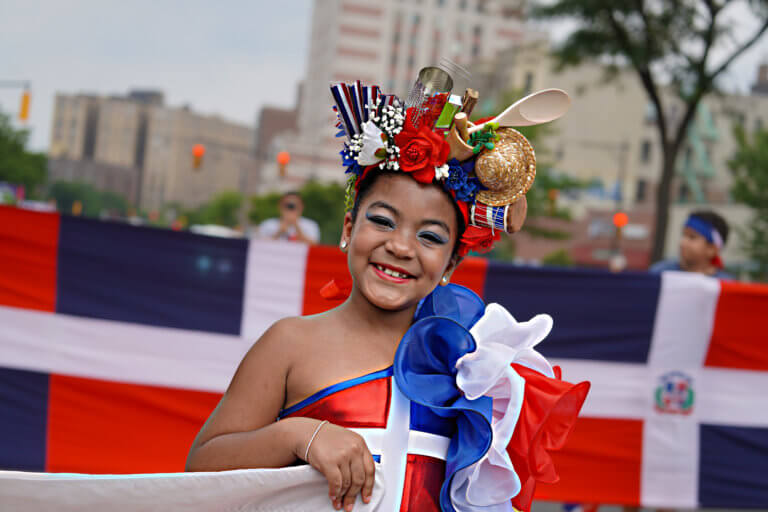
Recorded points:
(283, 158)
(198, 150)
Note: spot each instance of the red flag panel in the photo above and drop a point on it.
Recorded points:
(738, 341)
(28, 252)
(96, 426)
(600, 463)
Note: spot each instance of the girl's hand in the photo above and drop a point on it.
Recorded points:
(343, 458)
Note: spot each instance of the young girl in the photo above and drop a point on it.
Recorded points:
(399, 373)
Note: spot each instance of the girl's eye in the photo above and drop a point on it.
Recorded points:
(433, 237)
(380, 220)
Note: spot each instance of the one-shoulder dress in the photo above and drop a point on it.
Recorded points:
(465, 417)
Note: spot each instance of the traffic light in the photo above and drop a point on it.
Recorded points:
(283, 158)
(24, 108)
(198, 150)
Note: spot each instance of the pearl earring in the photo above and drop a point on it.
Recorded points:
(444, 280)
(343, 245)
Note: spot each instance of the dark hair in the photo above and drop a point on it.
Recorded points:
(291, 193)
(716, 220)
(367, 183)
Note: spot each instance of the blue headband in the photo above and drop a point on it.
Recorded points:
(705, 229)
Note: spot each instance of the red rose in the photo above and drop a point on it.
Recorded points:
(478, 239)
(421, 150)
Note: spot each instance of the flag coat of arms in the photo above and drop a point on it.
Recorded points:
(116, 343)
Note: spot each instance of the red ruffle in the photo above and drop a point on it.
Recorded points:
(550, 408)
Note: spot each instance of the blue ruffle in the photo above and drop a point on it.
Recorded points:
(425, 372)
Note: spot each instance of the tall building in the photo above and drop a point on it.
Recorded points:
(385, 42)
(136, 146)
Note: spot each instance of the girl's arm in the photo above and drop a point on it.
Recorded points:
(242, 432)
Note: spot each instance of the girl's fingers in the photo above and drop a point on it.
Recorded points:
(333, 475)
(346, 480)
(370, 476)
(357, 472)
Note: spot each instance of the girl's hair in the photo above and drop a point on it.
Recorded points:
(367, 184)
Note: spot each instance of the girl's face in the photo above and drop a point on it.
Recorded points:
(401, 243)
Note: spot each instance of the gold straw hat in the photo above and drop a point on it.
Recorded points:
(507, 170)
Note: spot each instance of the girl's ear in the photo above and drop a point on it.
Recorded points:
(346, 230)
(452, 264)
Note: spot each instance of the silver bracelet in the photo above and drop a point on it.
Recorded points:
(317, 430)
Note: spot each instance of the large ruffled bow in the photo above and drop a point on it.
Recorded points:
(479, 366)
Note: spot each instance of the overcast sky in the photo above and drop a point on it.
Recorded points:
(229, 57)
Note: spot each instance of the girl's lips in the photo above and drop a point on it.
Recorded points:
(388, 277)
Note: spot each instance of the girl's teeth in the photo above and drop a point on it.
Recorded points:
(391, 272)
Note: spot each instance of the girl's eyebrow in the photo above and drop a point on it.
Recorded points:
(386, 206)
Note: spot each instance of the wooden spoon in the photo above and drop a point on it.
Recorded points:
(537, 108)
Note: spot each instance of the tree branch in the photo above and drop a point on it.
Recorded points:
(739, 51)
(646, 77)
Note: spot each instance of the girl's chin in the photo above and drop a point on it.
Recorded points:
(389, 300)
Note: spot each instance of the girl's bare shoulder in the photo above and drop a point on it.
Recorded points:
(290, 338)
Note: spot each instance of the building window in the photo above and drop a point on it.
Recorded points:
(645, 151)
(641, 191)
(440, 3)
(683, 193)
(416, 19)
(759, 124)
(462, 5)
(481, 6)
(528, 83)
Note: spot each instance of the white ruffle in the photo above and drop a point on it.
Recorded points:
(490, 483)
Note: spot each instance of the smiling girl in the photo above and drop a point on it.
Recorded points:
(407, 378)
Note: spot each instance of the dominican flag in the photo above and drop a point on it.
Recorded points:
(117, 341)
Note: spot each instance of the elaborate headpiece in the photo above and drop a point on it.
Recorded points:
(486, 167)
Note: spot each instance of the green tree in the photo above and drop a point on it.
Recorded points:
(17, 165)
(749, 166)
(324, 203)
(223, 209)
(94, 201)
(672, 42)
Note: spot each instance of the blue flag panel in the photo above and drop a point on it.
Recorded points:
(150, 276)
(598, 315)
(23, 419)
(733, 467)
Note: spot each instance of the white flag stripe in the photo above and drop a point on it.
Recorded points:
(294, 489)
(274, 284)
(685, 315)
(118, 351)
(670, 467)
(618, 389)
(732, 397)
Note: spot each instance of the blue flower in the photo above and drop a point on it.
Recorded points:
(350, 163)
(459, 180)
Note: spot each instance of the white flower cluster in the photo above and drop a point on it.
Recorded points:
(378, 134)
(391, 123)
(441, 172)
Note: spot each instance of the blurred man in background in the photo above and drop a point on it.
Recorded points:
(704, 236)
(291, 225)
